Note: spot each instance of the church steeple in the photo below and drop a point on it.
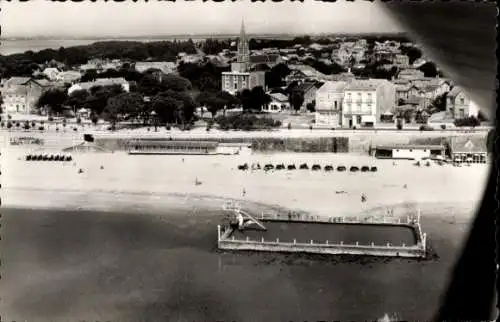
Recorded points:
(243, 46)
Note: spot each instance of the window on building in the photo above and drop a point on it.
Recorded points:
(335, 104)
(235, 85)
(462, 100)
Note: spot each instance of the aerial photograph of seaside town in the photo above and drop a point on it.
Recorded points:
(238, 176)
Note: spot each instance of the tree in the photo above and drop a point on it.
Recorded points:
(259, 98)
(165, 108)
(78, 98)
(296, 100)
(429, 69)
(311, 107)
(175, 83)
(276, 76)
(412, 52)
(440, 102)
(123, 106)
(245, 98)
(54, 99)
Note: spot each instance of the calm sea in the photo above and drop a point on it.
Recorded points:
(8, 47)
(75, 265)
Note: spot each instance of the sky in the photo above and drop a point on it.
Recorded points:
(156, 18)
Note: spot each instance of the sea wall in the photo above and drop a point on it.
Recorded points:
(356, 142)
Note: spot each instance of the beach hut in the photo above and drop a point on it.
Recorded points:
(373, 169)
(268, 167)
(304, 166)
(341, 168)
(280, 166)
(328, 168)
(354, 169)
(365, 168)
(28, 157)
(316, 167)
(243, 167)
(291, 167)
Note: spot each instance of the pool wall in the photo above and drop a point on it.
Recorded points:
(227, 241)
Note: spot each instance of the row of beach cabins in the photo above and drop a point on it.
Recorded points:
(48, 157)
(305, 166)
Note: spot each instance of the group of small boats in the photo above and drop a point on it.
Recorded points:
(49, 157)
(305, 166)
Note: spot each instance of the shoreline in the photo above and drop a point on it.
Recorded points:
(144, 203)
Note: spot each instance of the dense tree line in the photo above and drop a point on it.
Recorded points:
(170, 99)
(26, 63)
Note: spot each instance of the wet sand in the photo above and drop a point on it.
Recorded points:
(79, 265)
(333, 233)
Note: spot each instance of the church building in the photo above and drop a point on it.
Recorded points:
(241, 77)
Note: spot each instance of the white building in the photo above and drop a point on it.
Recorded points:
(329, 98)
(51, 73)
(165, 66)
(100, 82)
(279, 102)
(366, 100)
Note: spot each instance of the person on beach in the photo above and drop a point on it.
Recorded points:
(363, 198)
(244, 192)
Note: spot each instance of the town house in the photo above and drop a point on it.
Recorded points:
(410, 74)
(329, 99)
(366, 100)
(459, 105)
(20, 94)
(279, 102)
(307, 90)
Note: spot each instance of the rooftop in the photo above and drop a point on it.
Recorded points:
(461, 144)
(365, 84)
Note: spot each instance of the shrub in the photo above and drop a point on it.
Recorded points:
(2, 124)
(75, 129)
(33, 124)
(78, 120)
(41, 128)
(57, 129)
(9, 124)
(467, 121)
(425, 128)
(26, 126)
(18, 124)
(443, 126)
(51, 119)
(399, 126)
(310, 127)
(246, 122)
(289, 126)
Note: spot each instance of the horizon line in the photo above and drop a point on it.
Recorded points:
(205, 35)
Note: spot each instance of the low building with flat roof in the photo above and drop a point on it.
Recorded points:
(409, 151)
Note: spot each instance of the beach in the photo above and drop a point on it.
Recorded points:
(148, 180)
(136, 240)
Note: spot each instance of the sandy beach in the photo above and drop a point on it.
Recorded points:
(153, 182)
